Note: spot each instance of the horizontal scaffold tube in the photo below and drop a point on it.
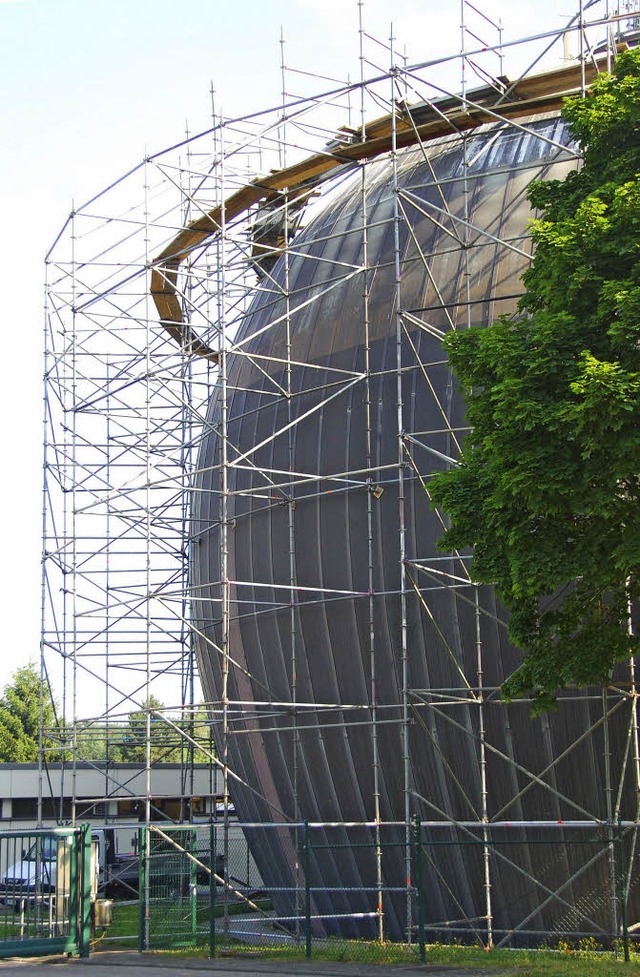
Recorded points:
(419, 123)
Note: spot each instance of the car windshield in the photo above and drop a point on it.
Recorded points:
(42, 848)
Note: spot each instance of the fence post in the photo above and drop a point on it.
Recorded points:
(84, 866)
(193, 883)
(307, 892)
(623, 895)
(417, 834)
(75, 910)
(143, 937)
(213, 862)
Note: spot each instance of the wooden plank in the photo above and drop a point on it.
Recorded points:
(530, 96)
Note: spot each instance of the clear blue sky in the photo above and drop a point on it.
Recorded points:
(87, 88)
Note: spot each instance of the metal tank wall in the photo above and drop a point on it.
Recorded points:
(314, 531)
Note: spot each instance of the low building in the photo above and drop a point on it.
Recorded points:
(107, 793)
(115, 794)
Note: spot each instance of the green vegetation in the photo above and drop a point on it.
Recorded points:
(124, 927)
(20, 716)
(584, 958)
(119, 741)
(564, 961)
(128, 739)
(125, 742)
(548, 487)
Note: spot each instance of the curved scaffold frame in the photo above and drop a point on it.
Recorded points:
(246, 397)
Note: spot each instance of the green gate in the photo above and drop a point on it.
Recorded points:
(45, 883)
(168, 887)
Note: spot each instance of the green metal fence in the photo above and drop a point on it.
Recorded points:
(168, 887)
(573, 880)
(45, 887)
(200, 886)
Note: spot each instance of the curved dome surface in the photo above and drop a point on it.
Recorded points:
(339, 600)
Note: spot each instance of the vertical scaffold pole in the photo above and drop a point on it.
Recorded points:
(366, 276)
(187, 661)
(73, 526)
(404, 649)
(224, 517)
(484, 808)
(43, 575)
(148, 531)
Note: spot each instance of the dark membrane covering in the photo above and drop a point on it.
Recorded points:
(322, 628)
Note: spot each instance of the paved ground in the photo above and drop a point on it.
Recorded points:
(113, 965)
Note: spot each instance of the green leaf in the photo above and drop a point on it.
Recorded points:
(547, 488)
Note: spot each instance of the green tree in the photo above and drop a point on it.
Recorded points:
(168, 745)
(97, 740)
(548, 484)
(134, 735)
(201, 732)
(20, 718)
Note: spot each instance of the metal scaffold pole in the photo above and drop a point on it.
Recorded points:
(404, 637)
(373, 491)
(246, 396)
(148, 717)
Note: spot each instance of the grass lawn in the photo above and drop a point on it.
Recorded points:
(569, 962)
(566, 960)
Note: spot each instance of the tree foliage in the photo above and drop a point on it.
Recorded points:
(547, 489)
(125, 741)
(20, 717)
(121, 741)
(166, 745)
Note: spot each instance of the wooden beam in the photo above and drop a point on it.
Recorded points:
(529, 97)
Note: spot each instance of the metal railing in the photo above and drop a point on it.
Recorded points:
(45, 887)
(567, 882)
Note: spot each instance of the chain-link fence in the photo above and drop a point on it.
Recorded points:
(545, 884)
(513, 885)
(168, 887)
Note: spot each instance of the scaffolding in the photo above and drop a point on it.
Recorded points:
(150, 285)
